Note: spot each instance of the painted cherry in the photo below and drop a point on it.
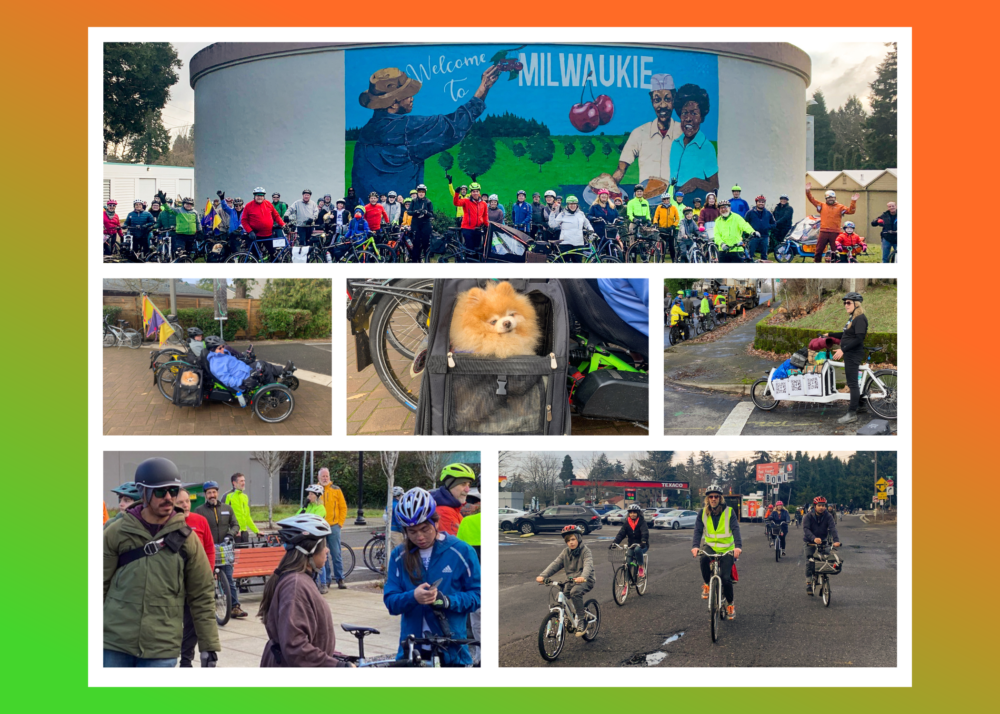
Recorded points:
(605, 107)
(587, 116)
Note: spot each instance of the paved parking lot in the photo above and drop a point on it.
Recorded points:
(134, 406)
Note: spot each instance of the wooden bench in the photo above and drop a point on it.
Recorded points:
(256, 562)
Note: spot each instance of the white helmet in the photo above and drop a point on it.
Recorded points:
(494, 197)
(260, 190)
(415, 507)
(397, 491)
(550, 192)
(831, 194)
(315, 488)
(392, 194)
(304, 533)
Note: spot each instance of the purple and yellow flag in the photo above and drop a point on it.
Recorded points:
(212, 219)
(154, 322)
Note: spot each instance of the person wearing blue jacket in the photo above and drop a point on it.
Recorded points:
(230, 222)
(141, 222)
(762, 221)
(736, 204)
(357, 229)
(232, 371)
(432, 580)
(603, 213)
(629, 298)
(522, 212)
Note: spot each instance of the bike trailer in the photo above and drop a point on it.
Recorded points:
(468, 394)
(189, 386)
(828, 564)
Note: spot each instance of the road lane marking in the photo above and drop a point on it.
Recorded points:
(737, 419)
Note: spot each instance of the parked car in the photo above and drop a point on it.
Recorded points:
(676, 519)
(555, 518)
(508, 517)
(618, 514)
(604, 509)
(651, 514)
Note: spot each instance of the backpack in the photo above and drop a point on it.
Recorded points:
(189, 386)
(521, 395)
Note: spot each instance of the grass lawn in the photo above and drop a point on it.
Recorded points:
(879, 304)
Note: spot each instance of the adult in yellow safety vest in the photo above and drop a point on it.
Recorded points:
(729, 230)
(720, 526)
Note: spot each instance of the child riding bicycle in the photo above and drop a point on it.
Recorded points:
(636, 532)
(578, 562)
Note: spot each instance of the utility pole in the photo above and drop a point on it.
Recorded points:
(173, 297)
(360, 520)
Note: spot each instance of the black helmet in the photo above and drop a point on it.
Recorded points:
(638, 187)
(214, 342)
(194, 332)
(853, 297)
(157, 473)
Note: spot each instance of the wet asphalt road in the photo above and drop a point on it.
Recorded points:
(314, 356)
(776, 623)
(688, 411)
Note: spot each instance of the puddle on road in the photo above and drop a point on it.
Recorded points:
(651, 659)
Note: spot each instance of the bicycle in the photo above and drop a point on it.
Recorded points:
(225, 553)
(773, 531)
(647, 246)
(626, 573)
(552, 632)
(716, 603)
(374, 553)
(117, 336)
(588, 253)
(823, 567)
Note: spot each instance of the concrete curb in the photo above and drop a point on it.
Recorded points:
(743, 389)
(323, 380)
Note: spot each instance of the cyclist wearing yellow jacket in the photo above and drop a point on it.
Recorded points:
(459, 211)
(729, 231)
(677, 313)
(238, 501)
(336, 512)
(638, 208)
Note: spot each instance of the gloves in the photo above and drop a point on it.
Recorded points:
(448, 178)
(442, 602)
(221, 195)
(611, 547)
(673, 181)
(756, 234)
(163, 197)
(208, 659)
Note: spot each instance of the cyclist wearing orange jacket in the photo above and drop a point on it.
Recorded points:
(830, 214)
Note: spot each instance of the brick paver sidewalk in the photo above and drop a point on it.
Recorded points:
(133, 406)
(372, 410)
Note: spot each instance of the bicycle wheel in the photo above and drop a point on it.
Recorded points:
(109, 339)
(182, 259)
(640, 583)
(367, 256)
(785, 252)
(602, 258)
(133, 340)
(241, 257)
(777, 549)
(347, 559)
(883, 405)
(223, 599)
(379, 555)
(638, 252)
(551, 638)
(761, 395)
(166, 378)
(401, 322)
(273, 403)
(385, 253)
(715, 606)
(594, 623)
(825, 592)
(619, 586)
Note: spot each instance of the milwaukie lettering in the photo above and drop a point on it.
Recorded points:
(575, 69)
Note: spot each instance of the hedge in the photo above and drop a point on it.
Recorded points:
(785, 340)
(111, 312)
(293, 323)
(204, 317)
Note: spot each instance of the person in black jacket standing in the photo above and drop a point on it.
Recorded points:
(223, 524)
(852, 351)
(422, 212)
(816, 526)
(888, 223)
(782, 213)
(635, 530)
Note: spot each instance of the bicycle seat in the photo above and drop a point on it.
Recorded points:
(359, 630)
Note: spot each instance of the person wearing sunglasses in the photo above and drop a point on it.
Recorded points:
(154, 565)
(720, 526)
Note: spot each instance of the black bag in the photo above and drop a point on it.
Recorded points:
(521, 395)
(189, 386)
(800, 358)
(437, 245)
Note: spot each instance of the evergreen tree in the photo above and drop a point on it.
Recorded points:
(566, 474)
(882, 124)
(540, 149)
(587, 147)
(656, 466)
(848, 125)
(823, 137)
(477, 152)
(446, 161)
(569, 148)
(518, 149)
(152, 143)
(618, 469)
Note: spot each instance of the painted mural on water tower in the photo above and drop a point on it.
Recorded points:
(575, 119)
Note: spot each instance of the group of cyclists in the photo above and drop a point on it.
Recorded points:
(159, 597)
(716, 532)
(692, 314)
(397, 228)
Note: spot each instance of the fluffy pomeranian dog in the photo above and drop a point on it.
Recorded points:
(495, 322)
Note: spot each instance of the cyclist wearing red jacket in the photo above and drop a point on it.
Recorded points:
(112, 225)
(474, 216)
(259, 217)
(375, 213)
(849, 243)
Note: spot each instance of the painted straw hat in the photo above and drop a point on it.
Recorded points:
(387, 86)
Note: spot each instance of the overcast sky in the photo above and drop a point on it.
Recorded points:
(840, 69)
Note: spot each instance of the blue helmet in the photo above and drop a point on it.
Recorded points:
(128, 489)
(209, 484)
(415, 507)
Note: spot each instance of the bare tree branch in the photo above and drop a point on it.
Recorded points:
(272, 461)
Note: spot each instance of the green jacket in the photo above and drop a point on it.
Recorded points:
(144, 600)
(638, 208)
(314, 508)
(729, 230)
(116, 517)
(241, 507)
(166, 221)
(705, 306)
(469, 529)
(281, 207)
(187, 223)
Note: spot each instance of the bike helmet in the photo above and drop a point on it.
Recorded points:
(397, 491)
(494, 197)
(408, 199)
(187, 199)
(112, 202)
(273, 195)
(304, 532)
(550, 192)
(138, 200)
(415, 507)
(522, 192)
(638, 187)
(455, 472)
(830, 194)
(600, 192)
(688, 209)
(305, 191)
(359, 210)
(129, 490)
(680, 293)
(392, 194)
(780, 503)
(157, 472)
(315, 488)
(783, 196)
(474, 496)
(736, 188)
(341, 200)
(853, 297)
(849, 224)
(463, 187)
(193, 332)
(571, 199)
(259, 191)
(421, 187)
(819, 499)
(723, 203)
(570, 530)
(538, 195)
(679, 195)
(760, 198)
(665, 199)
(209, 484)
(474, 186)
(635, 507)
(714, 488)
(214, 342)
(413, 191)
(237, 201)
